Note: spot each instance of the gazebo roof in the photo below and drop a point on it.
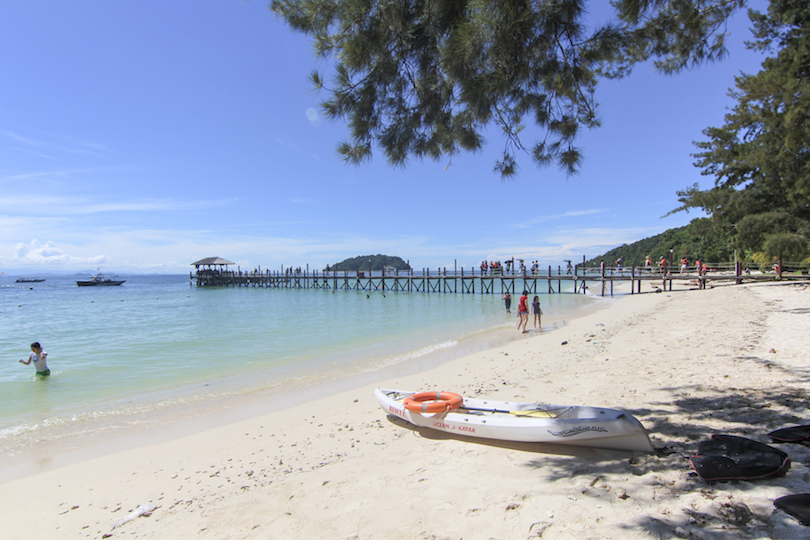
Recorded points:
(211, 261)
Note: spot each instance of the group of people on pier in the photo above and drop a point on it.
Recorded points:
(700, 268)
(663, 266)
(495, 268)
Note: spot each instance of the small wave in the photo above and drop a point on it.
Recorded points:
(599, 297)
(413, 355)
(15, 431)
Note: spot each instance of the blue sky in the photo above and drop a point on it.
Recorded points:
(142, 136)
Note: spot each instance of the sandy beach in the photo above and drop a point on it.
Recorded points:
(687, 364)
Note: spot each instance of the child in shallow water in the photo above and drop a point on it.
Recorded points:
(38, 357)
(537, 311)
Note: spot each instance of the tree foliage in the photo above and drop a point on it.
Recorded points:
(700, 240)
(760, 157)
(424, 78)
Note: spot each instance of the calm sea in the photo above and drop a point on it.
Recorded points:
(158, 346)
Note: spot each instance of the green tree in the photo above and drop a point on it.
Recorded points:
(760, 158)
(785, 246)
(424, 78)
(703, 239)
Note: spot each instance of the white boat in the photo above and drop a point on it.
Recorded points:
(524, 422)
(100, 281)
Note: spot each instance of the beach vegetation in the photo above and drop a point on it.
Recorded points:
(785, 246)
(758, 209)
(428, 79)
(701, 240)
(760, 157)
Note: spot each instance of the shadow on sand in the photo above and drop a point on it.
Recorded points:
(693, 415)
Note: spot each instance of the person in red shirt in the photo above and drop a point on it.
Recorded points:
(523, 312)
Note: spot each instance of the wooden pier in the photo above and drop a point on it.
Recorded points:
(424, 282)
(578, 280)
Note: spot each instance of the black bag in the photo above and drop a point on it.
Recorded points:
(795, 434)
(797, 506)
(728, 457)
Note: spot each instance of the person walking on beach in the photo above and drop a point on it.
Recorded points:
(507, 301)
(38, 357)
(523, 312)
(537, 312)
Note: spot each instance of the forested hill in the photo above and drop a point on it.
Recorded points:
(376, 262)
(698, 240)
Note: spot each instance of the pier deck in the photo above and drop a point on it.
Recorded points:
(469, 282)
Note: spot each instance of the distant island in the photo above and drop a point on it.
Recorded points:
(372, 262)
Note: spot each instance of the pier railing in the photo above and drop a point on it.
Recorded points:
(457, 280)
(576, 279)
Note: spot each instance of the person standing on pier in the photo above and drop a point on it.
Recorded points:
(523, 312)
(537, 312)
(507, 301)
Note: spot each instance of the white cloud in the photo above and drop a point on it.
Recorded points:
(576, 213)
(598, 236)
(545, 219)
(55, 206)
(55, 142)
(37, 254)
(20, 138)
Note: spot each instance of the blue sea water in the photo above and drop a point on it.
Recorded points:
(157, 344)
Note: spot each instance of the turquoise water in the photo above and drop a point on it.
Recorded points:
(118, 355)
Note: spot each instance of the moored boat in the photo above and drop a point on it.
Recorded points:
(100, 281)
(518, 422)
(29, 280)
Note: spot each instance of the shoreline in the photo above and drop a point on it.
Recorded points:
(686, 364)
(170, 421)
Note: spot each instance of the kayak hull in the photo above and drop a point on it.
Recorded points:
(527, 422)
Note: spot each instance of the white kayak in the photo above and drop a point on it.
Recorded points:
(526, 422)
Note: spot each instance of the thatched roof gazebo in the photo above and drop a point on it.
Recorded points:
(211, 262)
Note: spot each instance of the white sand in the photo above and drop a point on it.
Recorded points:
(685, 363)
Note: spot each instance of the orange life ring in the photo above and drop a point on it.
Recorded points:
(433, 402)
